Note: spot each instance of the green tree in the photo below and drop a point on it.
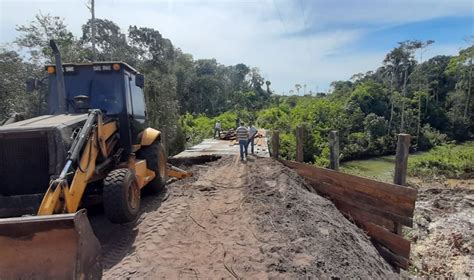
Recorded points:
(371, 97)
(13, 98)
(461, 66)
(111, 43)
(151, 48)
(34, 38)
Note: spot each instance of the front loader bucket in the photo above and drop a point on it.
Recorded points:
(59, 246)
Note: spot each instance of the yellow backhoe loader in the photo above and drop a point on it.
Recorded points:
(94, 143)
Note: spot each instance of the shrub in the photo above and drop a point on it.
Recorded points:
(274, 118)
(322, 159)
(430, 137)
(449, 161)
(288, 146)
(227, 120)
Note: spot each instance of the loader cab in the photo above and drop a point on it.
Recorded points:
(113, 87)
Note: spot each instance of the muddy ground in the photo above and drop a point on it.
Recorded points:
(254, 220)
(443, 233)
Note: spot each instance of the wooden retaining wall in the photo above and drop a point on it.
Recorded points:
(374, 206)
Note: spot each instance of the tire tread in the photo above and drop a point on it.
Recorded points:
(115, 202)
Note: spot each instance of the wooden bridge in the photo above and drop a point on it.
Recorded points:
(380, 209)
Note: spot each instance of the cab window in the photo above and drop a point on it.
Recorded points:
(127, 92)
(138, 102)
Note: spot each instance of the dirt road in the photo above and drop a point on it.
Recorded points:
(251, 220)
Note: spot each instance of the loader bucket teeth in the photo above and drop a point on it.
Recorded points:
(59, 246)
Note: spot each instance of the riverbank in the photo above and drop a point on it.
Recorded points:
(442, 240)
(442, 164)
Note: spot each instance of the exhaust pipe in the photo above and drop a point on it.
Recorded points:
(61, 89)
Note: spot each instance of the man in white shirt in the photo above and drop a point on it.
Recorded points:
(252, 133)
(217, 129)
(242, 137)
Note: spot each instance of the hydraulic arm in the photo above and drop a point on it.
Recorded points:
(82, 156)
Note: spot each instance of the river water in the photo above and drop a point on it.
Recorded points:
(379, 168)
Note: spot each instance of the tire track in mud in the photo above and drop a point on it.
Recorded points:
(194, 230)
(127, 248)
(230, 221)
(213, 239)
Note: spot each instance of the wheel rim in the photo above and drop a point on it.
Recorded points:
(133, 196)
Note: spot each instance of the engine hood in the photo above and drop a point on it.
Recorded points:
(37, 147)
(45, 122)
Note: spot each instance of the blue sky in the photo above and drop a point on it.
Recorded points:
(301, 41)
(445, 30)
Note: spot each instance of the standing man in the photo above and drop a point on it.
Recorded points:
(242, 137)
(252, 133)
(217, 129)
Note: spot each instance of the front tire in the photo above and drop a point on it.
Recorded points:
(155, 157)
(121, 196)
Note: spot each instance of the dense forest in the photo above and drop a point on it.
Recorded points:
(175, 83)
(429, 99)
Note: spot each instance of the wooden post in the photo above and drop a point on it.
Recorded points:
(401, 164)
(334, 150)
(401, 161)
(299, 144)
(275, 144)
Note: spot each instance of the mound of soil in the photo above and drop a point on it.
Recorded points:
(303, 234)
(254, 220)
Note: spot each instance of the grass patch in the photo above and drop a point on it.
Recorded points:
(450, 161)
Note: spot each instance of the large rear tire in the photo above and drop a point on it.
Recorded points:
(121, 196)
(155, 157)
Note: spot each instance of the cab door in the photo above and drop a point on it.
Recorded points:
(135, 106)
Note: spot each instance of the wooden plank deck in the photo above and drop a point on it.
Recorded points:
(216, 147)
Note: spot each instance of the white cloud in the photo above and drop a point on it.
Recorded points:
(255, 33)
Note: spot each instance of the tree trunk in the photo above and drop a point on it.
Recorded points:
(419, 120)
(468, 90)
(402, 123)
(391, 105)
(430, 95)
(426, 102)
(299, 144)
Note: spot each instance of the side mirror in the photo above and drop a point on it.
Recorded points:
(32, 84)
(139, 80)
